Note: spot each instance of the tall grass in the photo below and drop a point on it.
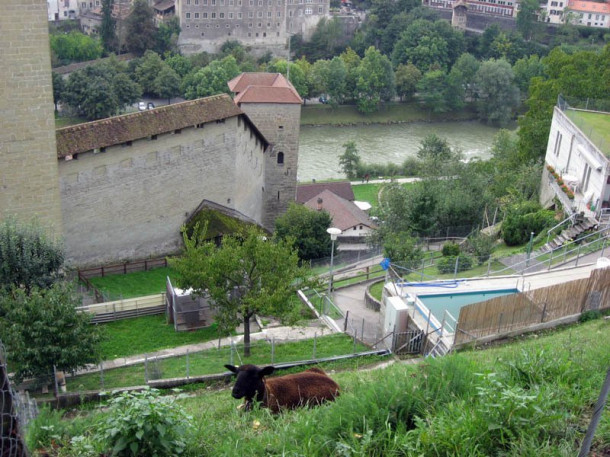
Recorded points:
(533, 397)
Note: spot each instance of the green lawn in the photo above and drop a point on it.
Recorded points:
(595, 125)
(212, 361)
(147, 334)
(388, 113)
(137, 284)
(367, 193)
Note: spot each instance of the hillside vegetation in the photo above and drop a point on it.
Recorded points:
(533, 397)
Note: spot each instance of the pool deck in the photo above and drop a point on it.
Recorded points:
(525, 282)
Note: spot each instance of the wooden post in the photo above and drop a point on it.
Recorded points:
(597, 414)
(102, 375)
(102, 272)
(146, 368)
(272, 350)
(125, 268)
(345, 324)
(362, 333)
(543, 312)
(187, 365)
(145, 265)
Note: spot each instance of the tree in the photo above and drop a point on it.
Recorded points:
(308, 230)
(100, 90)
(297, 76)
(403, 249)
(375, 81)
(141, 30)
(247, 275)
(148, 68)
(436, 149)
(407, 77)
(527, 17)
(180, 64)
(59, 86)
(210, 80)
(336, 81)
(107, 30)
(43, 328)
(468, 66)
(350, 160)
(431, 91)
(498, 96)
(525, 69)
(167, 84)
(167, 35)
(74, 47)
(28, 258)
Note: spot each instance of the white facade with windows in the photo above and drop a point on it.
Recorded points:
(583, 168)
(61, 10)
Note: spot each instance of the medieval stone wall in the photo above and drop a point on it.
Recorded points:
(28, 157)
(130, 202)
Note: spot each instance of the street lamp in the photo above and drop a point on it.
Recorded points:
(333, 232)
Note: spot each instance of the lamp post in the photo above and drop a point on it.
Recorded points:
(333, 232)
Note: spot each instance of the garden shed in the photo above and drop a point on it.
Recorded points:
(185, 310)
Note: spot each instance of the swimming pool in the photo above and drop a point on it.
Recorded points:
(452, 302)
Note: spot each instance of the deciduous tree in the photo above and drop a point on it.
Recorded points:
(375, 81)
(407, 77)
(350, 160)
(307, 228)
(246, 275)
(498, 96)
(141, 30)
(43, 328)
(107, 30)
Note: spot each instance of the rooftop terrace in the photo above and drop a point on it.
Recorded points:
(594, 124)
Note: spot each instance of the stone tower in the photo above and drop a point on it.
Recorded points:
(28, 159)
(459, 16)
(274, 106)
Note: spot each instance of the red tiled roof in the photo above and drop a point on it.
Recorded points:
(263, 88)
(589, 7)
(341, 188)
(239, 83)
(129, 127)
(260, 94)
(345, 214)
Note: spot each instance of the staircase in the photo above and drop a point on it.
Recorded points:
(569, 234)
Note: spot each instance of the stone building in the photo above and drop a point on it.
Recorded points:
(28, 161)
(459, 16)
(261, 24)
(496, 8)
(121, 188)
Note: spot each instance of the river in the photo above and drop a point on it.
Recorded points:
(320, 147)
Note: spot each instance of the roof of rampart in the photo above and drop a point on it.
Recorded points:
(130, 127)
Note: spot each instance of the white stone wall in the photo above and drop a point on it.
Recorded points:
(130, 202)
(570, 152)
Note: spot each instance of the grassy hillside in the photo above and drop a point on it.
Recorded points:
(533, 397)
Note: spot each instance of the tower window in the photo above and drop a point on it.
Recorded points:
(280, 158)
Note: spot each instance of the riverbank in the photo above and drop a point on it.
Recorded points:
(389, 113)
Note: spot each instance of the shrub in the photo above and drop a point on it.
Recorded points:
(590, 315)
(451, 249)
(447, 264)
(481, 246)
(522, 219)
(143, 424)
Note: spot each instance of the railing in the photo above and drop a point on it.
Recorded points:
(552, 229)
(124, 309)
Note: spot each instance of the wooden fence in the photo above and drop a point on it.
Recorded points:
(122, 268)
(124, 309)
(517, 311)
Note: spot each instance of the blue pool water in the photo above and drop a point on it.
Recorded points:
(438, 303)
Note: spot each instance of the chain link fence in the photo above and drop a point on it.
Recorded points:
(15, 411)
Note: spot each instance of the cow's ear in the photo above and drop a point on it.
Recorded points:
(267, 371)
(231, 368)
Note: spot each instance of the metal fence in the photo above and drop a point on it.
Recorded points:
(210, 362)
(15, 412)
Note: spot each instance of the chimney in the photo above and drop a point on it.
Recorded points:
(320, 201)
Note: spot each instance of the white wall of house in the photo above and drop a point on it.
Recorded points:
(572, 154)
(61, 10)
(356, 230)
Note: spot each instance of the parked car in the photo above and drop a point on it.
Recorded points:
(142, 106)
(323, 99)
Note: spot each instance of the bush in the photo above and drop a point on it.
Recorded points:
(522, 219)
(481, 246)
(451, 249)
(590, 315)
(447, 264)
(143, 424)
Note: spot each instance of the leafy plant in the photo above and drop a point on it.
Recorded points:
(447, 264)
(144, 424)
(451, 249)
(589, 315)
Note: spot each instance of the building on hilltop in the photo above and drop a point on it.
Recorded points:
(579, 12)
(577, 162)
(260, 24)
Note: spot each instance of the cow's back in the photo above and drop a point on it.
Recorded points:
(310, 387)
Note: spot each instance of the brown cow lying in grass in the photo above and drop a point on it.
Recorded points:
(310, 387)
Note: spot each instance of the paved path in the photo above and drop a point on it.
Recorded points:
(362, 320)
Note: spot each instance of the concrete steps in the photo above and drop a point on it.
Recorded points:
(569, 234)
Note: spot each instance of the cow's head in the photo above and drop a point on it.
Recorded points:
(249, 382)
